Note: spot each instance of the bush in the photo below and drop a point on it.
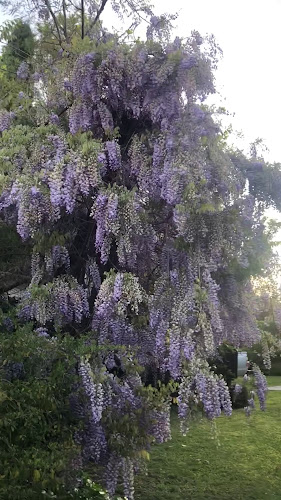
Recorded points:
(225, 363)
(239, 399)
(37, 424)
(275, 366)
(40, 421)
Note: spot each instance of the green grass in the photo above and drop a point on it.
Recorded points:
(273, 380)
(243, 463)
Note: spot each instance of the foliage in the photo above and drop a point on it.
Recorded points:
(36, 421)
(241, 397)
(225, 363)
(38, 453)
(267, 305)
(14, 259)
(143, 237)
(18, 47)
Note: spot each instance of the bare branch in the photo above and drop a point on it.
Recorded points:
(75, 6)
(64, 19)
(99, 12)
(82, 20)
(48, 5)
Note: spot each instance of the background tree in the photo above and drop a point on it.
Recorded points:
(18, 47)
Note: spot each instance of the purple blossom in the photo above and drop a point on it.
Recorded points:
(160, 429)
(128, 478)
(42, 332)
(6, 118)
(54, 119)
(105, 117)
(251, 403)
(36, 77)
(118, 287)
(237, 388)
(261, 385)
(23, 71)
(188, 62)
(112, 207)
(224, 396)
(209, 394)
(8, 324)
(92, 276)
(112, 473)
(94, 391)
(67, 85)
(114, 155)
(94, 442)
(188, 348)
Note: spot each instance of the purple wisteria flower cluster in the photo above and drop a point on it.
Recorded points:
(63, 301)
(261, 386)
(6, 118)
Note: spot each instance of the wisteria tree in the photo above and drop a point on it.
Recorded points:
(143, 232)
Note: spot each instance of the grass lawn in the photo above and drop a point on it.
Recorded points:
(243, 463)
(273, 380)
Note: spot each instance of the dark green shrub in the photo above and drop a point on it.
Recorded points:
(239, 399)
(275, 366)
(39, 458)
(225, 363)
(37, 424)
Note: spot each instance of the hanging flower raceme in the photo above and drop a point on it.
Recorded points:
(69, 180)
(33, 209)
(23, 71)
(118, 294)
(94, 391)
(261, 386)
(61, 301)
(118, 216)
(6, 118)
(92, 278)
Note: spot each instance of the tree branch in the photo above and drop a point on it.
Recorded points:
(64, 20)
(47, 3)
(99, 12)
(82, 20)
